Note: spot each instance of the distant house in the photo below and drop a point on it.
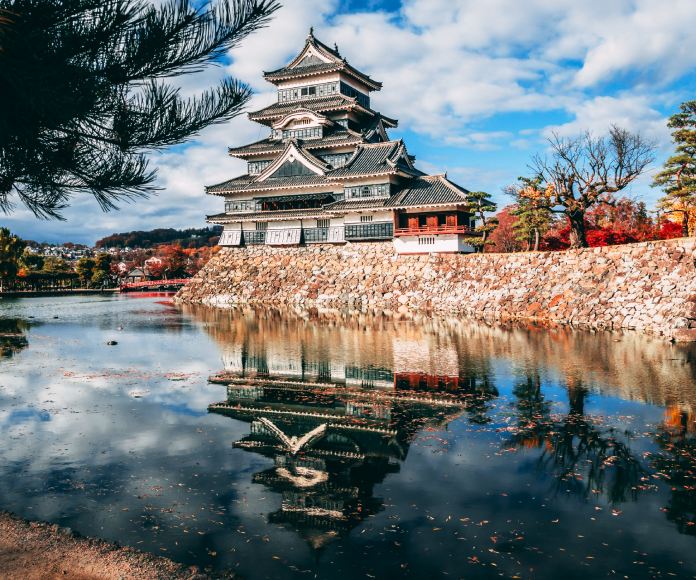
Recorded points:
(135, 275)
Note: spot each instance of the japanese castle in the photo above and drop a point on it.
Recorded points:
(329, 173)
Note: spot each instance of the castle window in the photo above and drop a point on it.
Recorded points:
(323, 223)
(261, 226)
(322, 90)
(376, 190)
(256, 167)
(365, 218)
(245, 205)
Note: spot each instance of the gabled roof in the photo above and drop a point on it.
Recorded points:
(319, 105)
(376, 132)
(294, 151)
(317, 58)
(300, 181)
(385, 158)
(266, 181)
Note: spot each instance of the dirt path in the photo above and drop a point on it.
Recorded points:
(38, 551)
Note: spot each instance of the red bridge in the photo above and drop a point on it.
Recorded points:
(173, 284)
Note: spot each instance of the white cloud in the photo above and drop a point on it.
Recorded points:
(630, 112)
(449, 67)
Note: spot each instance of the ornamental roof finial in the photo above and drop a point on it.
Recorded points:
(336, 48)
(311, 32)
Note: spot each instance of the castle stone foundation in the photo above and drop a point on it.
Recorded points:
(650, 287)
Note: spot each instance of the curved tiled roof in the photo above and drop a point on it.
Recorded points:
(295, 69)
(232, 186)
(317, 104)
(290, 214)
(425, 190)
(336, 138)
(384, 158)
(428, 190)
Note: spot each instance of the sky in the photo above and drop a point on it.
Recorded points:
(478, 87)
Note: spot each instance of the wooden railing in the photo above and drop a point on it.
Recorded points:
(439, 229)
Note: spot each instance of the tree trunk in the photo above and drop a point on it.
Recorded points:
(685, 224)
(577, 229)
(536, 239)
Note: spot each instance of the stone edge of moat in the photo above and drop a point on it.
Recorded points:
(33, 549)
(649, 287)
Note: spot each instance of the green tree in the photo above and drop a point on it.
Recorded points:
(11, 248)
(678, 178)
(533, 218)
(584, 171)
(102, 269)
(55, 265)
(480, 204)
(32, 261)
(87, 91)
(84, 268)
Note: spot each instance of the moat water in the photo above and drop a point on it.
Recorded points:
(348, 446)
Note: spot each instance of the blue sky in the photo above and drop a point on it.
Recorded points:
(477, 87)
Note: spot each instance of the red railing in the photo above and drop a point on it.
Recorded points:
(154, 283)
(440, 229)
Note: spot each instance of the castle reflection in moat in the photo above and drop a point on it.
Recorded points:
(337, 421)
(337, 402)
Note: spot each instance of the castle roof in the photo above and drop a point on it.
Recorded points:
(317, 58)
(337, 137)
(337, 102)
(389, 157)
(423, 191)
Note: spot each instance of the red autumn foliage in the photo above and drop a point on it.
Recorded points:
(504, 237)
(626, 222)
(670, 229)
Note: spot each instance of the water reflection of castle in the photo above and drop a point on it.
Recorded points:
(335, 427)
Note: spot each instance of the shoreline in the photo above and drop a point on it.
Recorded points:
(31, 550)
(66, 292)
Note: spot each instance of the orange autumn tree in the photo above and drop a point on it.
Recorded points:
(584, 171)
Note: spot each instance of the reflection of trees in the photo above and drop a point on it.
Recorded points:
(582, 457)
(12, 336)
(677, 462)
(476, 378)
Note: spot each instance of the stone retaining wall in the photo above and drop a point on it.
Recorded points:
(649, 287)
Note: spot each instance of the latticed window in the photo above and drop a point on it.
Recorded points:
(376, 190)
(349, 91)
(376, 230)
(322, 90)
(365, 218)
(301, 133)
(237, 205)
(323, 223)
(256, 167)
(261, 226)
(337, 160)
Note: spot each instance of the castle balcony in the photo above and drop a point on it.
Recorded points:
(434, 229)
